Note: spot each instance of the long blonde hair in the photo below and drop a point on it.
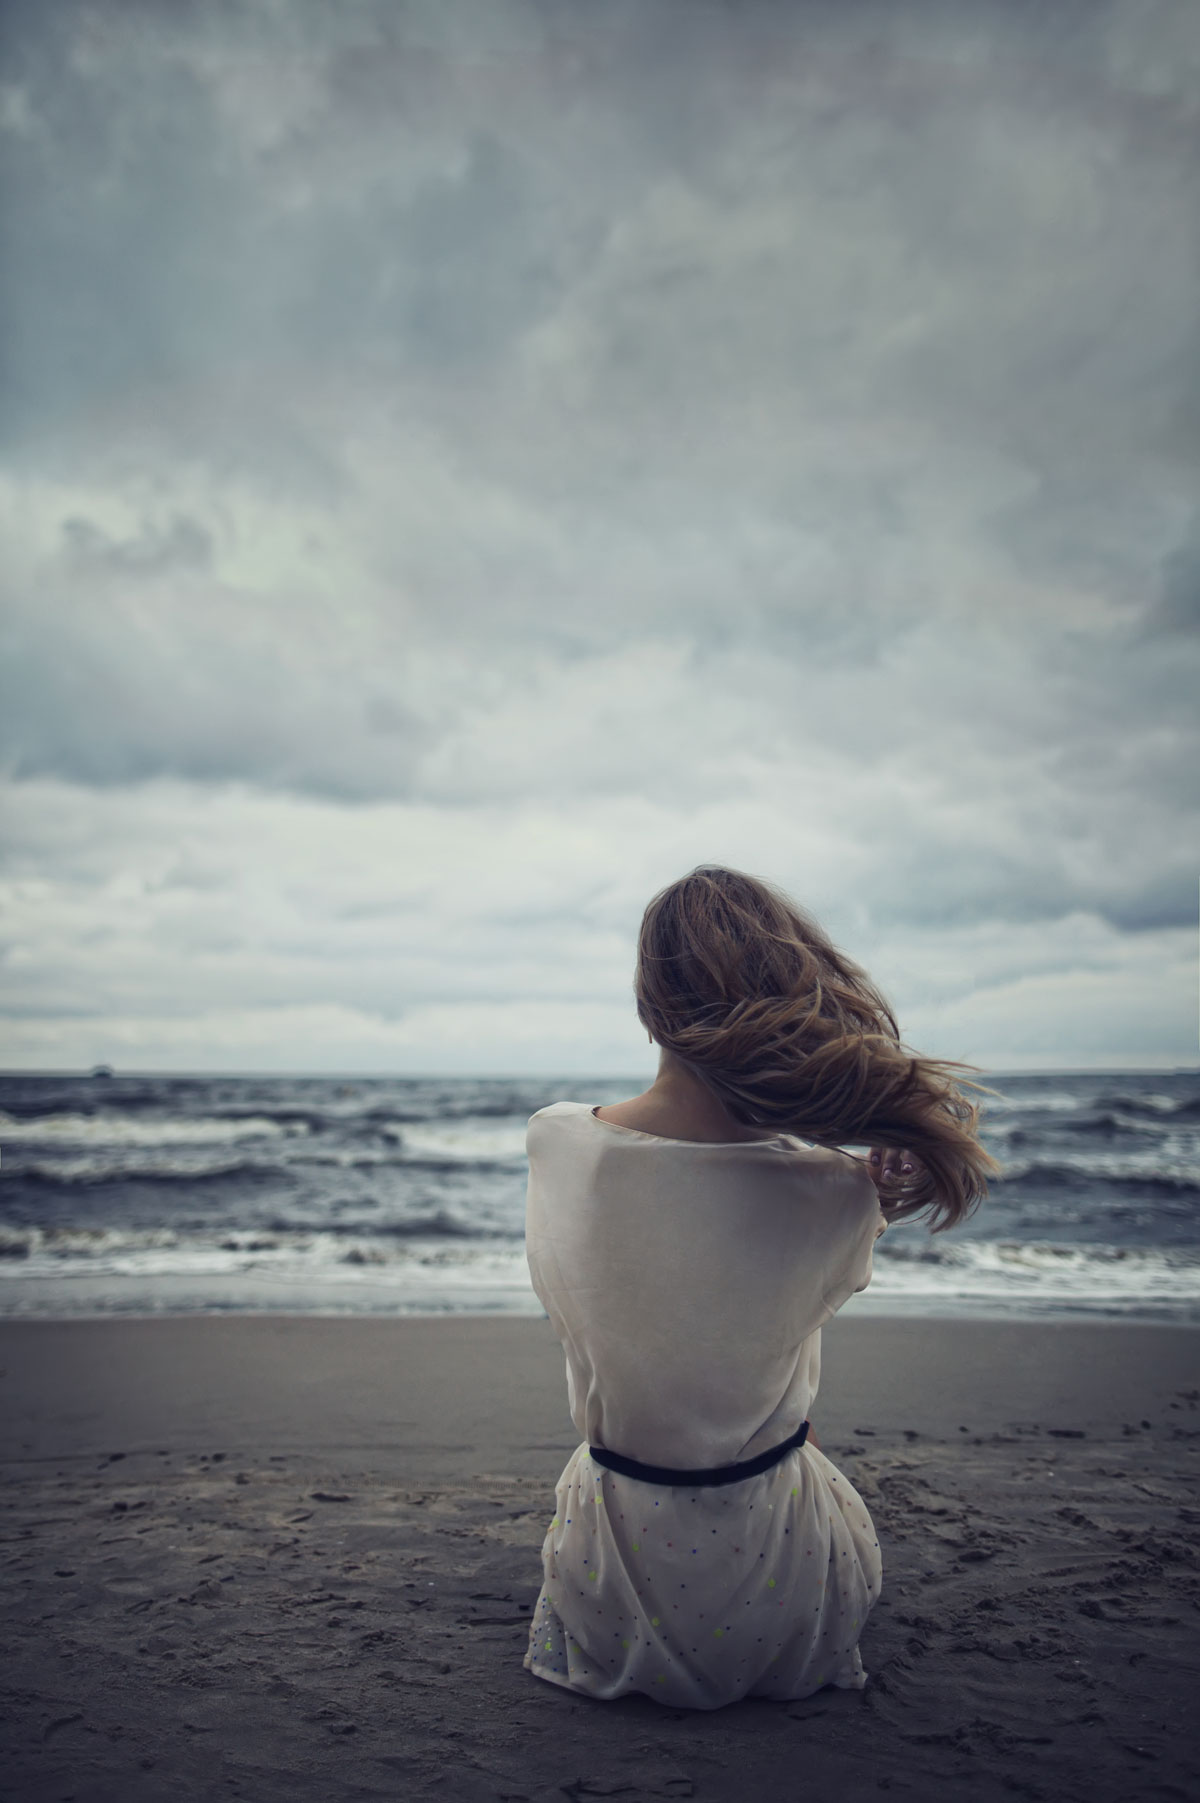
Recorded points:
(748, 992)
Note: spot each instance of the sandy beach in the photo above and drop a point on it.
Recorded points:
(295, 1558)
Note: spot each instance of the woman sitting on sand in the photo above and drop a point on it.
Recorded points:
(687, 1246)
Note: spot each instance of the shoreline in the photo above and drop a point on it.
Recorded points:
(967, 1317)
(353, 1304)
(396, 1383)
(294, 1558)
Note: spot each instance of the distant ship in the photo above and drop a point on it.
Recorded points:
(102, 1070)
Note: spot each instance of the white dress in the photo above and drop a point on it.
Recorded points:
(688, 1283)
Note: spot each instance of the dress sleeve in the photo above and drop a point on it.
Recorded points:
(880, 1227)
(852, 1261)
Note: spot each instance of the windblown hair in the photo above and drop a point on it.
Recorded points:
(750, 994)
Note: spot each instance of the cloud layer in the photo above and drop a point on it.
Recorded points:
(466, 464)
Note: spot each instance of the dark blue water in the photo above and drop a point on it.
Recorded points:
(149, 1194)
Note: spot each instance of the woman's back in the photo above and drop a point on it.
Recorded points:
(686, 1280)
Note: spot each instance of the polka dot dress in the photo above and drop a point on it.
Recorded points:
(699, 1597)
(687, 1284)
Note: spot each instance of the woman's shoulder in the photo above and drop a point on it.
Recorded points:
(548, 1118)
(845, 1174)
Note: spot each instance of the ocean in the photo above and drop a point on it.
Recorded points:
(152, 1195)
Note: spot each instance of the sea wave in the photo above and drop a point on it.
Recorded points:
(460, 1142)
(1151, 1104)
(1186, 1108)
(89, 1173)
(1045, 1271)
(171, 1249)
(184, 1167)
(441, 1255)
(381, 1138)
(1044, 1101)
(1152, 1173)
(123, 1130)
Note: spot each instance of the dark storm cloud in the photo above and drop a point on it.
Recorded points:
(182, 543)
(965, 200)
(154, 237)
(1178, 609)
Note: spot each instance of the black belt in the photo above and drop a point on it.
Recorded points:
(690, 1480)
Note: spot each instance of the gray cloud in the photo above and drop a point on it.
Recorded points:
(1178, 608)
(181, 543)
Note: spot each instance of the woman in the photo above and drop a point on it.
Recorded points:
(687, 1246)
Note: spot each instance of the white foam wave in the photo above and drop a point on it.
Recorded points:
(32, 1253)
(1148, 1103)
(95, 1168)
(1173, 1162)
(1050, 1101)
(140, 1130)
(447, 1271)
(1041, 1271)
(485, 1140)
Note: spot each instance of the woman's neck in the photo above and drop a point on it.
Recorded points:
(678, 1105)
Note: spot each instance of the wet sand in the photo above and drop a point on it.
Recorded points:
(286, 1558)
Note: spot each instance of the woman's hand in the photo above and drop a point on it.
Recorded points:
(895, 1172)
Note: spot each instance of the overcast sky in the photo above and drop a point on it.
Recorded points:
(464, 464)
